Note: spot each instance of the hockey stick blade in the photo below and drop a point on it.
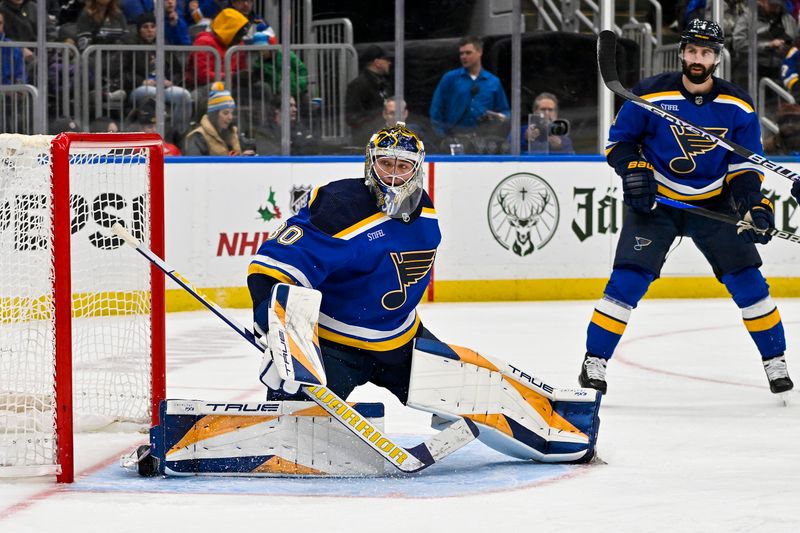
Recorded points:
(409, 460)
(607, 63)
(775, 232)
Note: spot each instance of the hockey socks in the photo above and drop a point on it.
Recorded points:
(624, 290)
(750, 291)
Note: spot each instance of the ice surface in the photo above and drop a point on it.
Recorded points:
(693, 439)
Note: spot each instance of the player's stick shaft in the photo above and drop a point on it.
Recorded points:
(722, 217)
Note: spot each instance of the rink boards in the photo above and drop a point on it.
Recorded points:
(513, 229)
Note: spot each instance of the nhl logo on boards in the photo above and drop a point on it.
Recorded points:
(298, 198)
(523, 213)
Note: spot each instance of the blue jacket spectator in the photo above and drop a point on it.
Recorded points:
(468, 96)
(176, 31)
(12, 66)
(134, 9)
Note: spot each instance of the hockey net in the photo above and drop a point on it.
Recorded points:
(81, 319)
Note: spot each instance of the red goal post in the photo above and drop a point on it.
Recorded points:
(81, 320)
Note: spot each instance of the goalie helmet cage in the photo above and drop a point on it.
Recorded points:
(82, 336)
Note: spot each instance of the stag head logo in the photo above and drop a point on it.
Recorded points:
(523, 213)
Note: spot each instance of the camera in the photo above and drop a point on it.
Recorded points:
(547, 127)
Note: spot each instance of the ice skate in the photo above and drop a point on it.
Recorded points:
(778, 376)
(593, 373)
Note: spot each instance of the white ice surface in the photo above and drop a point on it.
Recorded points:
(693, 439)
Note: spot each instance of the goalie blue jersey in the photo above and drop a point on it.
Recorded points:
(687, 166)
(372, 270)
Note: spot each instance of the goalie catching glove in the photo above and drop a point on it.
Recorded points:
(292, 354)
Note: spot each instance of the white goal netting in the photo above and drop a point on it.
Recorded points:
(110, 303)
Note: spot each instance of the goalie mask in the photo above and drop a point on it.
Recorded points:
(705, 33)
(393, 170)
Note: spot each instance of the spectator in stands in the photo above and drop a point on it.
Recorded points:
(63, 125)
(12, 64)
(227, 29)
(141, 66)
(143, 118)
(776, 31)
(104, 125)
(245, 7)
(101, 22)
(176, 30)
(469, 104)
(69, 11)
(537, 136)
(270, 70)
(268, 136)
(21, 17)
(787, 140)
(390, 121)
(203, 11)
(133, 9)
(216, 134)
(366, 94)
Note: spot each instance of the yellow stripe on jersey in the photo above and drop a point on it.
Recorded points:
(663, 94)
(429, 210)
(358, 225)
(608, 323)
(281, 276)
(732, 175)
(313, 196)
(763, 323)
(669, 193)
(728, 99)
(377, 345)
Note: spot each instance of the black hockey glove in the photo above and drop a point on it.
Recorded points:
(639, 186)
(796, 191)
(757, 210)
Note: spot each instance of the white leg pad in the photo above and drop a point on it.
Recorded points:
(517, 413)
(290, 438)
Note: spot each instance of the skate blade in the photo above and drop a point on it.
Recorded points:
(783, 398)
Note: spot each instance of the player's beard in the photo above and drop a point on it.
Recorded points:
(697, 79)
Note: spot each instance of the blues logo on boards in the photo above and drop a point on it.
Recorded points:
(523, 213)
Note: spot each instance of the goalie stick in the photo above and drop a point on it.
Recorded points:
(722, 217)
(607, 62)
(409, 460)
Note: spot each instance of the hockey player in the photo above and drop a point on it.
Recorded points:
(368, 246)
(653, 156)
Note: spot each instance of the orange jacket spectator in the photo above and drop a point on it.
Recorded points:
(227, 29)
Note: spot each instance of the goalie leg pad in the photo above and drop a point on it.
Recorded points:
(290, 438)
(518, 414)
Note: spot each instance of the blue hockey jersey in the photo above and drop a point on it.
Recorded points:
(789, 68)
(372, 270)
(687, 166)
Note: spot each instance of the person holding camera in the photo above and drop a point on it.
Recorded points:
(469, 103)
(545, 132)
